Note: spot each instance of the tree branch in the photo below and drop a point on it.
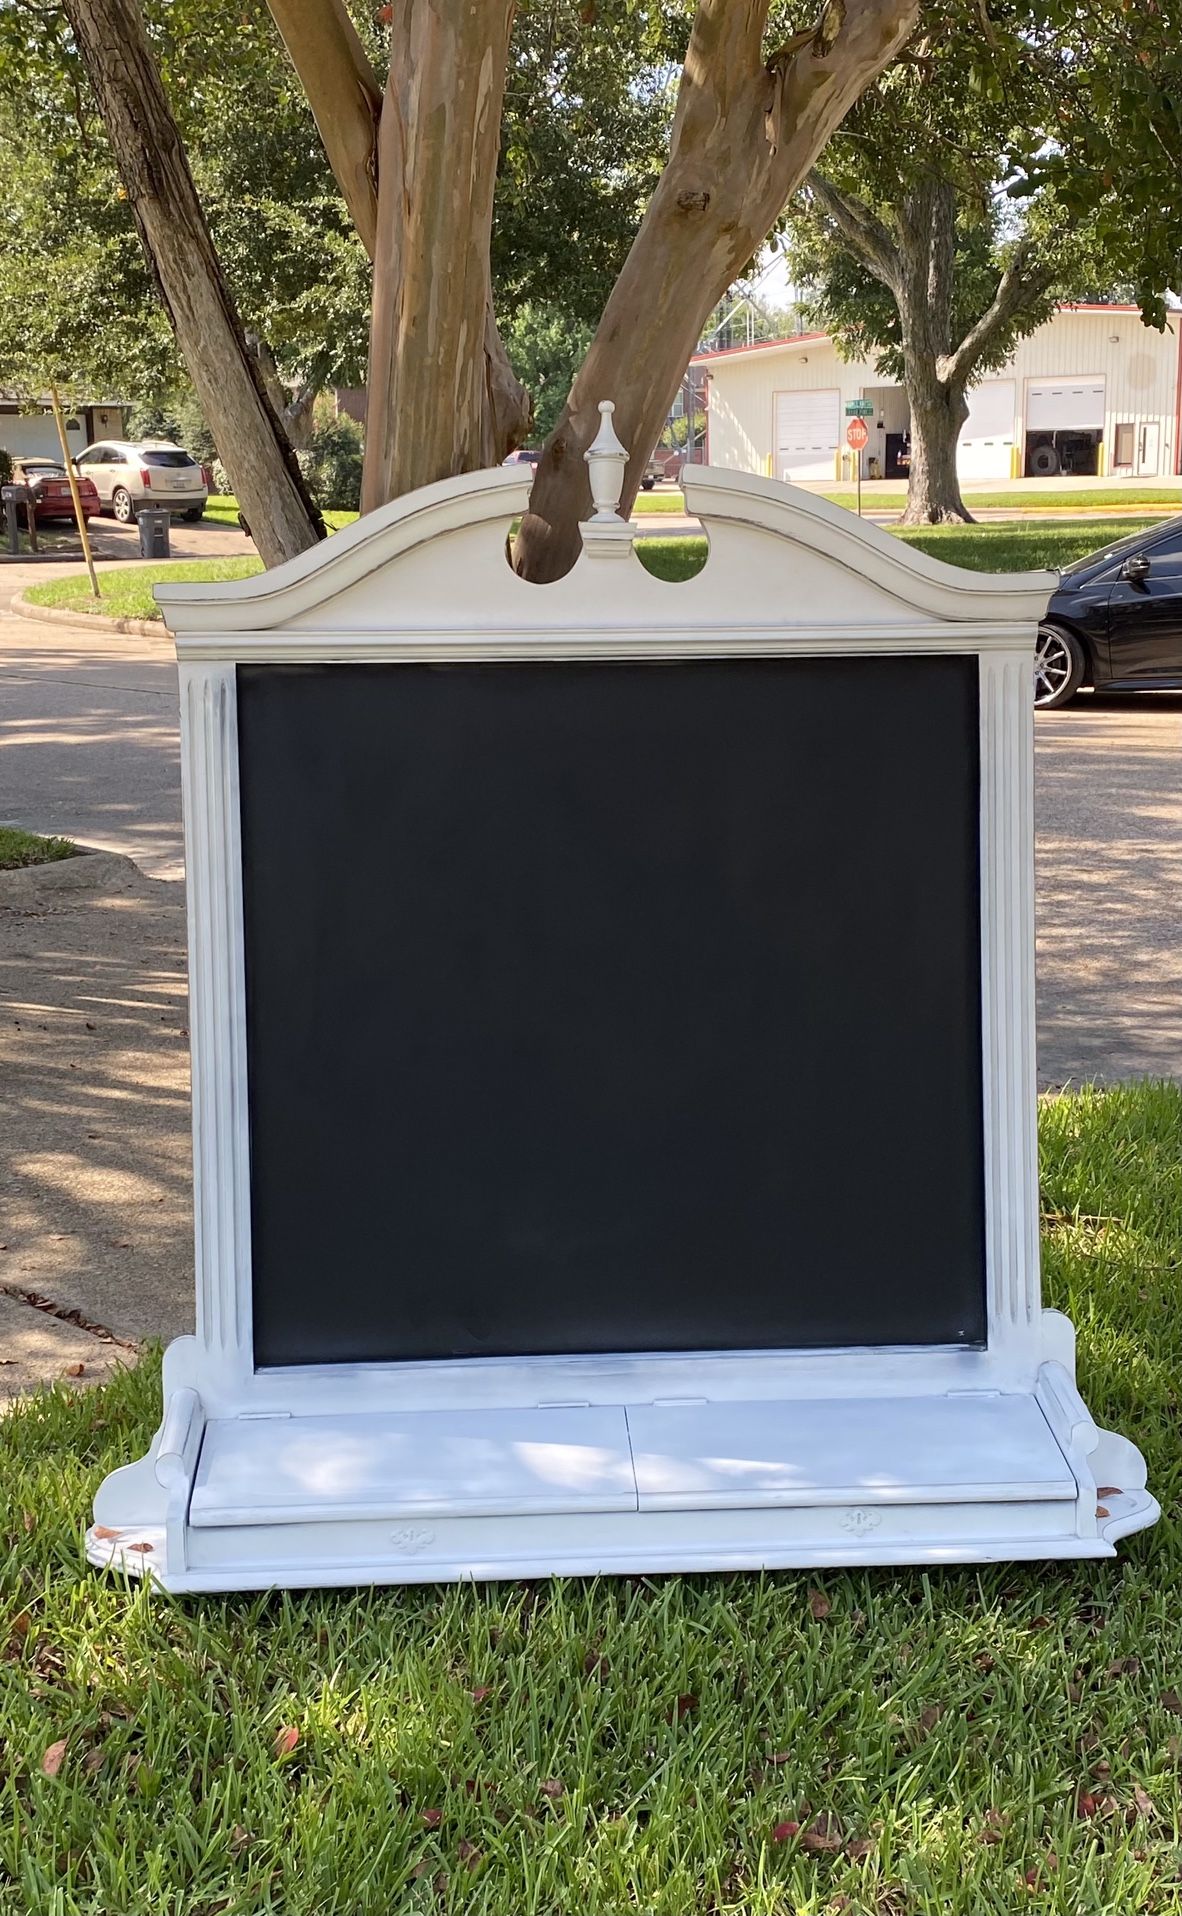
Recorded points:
(860, 228)
(1020, 283)
(745, 134)
(344, 95)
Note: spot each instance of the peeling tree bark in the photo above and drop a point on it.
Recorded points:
(344, 95)
(431, 408)
(745, 133)
(155, 171)
(417, 170)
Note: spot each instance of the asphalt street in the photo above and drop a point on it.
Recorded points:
(94, 1119)
(89, 748)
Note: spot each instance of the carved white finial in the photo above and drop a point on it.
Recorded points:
(606, 459)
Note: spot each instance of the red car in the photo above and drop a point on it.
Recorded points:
(47, 481)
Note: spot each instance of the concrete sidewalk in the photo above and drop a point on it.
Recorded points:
(95, 1186)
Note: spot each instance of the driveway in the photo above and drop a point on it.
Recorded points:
(88, 734)
(1108, 813)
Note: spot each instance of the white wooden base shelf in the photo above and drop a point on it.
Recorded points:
(295, 1500)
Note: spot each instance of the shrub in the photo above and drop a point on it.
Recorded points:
(5, 467)
(332, 464)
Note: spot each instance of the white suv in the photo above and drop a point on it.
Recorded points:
(152, 473)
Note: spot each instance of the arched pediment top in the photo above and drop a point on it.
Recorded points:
(435, 560)
(373, 544)
(719, 497)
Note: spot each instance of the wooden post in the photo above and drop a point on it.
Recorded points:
(72, 477)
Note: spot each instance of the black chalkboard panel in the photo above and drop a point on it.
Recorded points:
(612, 1007)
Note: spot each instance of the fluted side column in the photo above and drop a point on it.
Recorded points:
(217, 1014)
(1007, 977)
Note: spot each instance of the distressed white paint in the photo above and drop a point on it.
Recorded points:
(522, 1466)
(1139, 368)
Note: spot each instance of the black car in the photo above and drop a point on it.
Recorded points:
(1116, 620)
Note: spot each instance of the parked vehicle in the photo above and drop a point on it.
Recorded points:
(530, 455)
(50, 488)
(153, 472)
(1115, 622)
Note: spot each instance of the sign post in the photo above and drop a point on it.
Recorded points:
(856, 436)
(858, 411)
(525, 1244)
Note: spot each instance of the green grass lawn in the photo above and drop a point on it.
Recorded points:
(1005, 547)
(877, 496)
(221, 509)
(927, 1742)
(647, 502)
(1014, 546)
(127, 590)
(19, 848)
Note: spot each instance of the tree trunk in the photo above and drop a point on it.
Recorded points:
(938, 412)
(346, 102)
(745, 133)
(294, 411)
(432, 408)
(155, 171)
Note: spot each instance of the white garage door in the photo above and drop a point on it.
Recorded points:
(34, 436)
(987, 436)
(807, 433)
(1058, 405)
(29, 434)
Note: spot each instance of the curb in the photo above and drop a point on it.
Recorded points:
(88, 870)
(89, 621)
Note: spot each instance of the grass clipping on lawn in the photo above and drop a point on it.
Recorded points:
(898, 1742)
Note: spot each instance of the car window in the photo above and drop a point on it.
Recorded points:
(1113, 554)
(1165, 555)
(168, 458)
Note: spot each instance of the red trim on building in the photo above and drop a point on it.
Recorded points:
(759, 346)
(799, 339)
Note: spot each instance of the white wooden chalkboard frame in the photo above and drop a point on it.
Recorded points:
(912, 1455)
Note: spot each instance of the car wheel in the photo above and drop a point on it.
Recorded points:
(121, 506)
(1044, 462)
(646, 485)
(1058, 667)
(193, 514)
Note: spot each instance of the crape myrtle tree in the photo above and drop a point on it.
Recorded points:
(76, 297)
(415, 156)
(987, 175)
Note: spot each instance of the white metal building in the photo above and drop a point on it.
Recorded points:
(1094, 390)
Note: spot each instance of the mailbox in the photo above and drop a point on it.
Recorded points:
(613, 1063)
